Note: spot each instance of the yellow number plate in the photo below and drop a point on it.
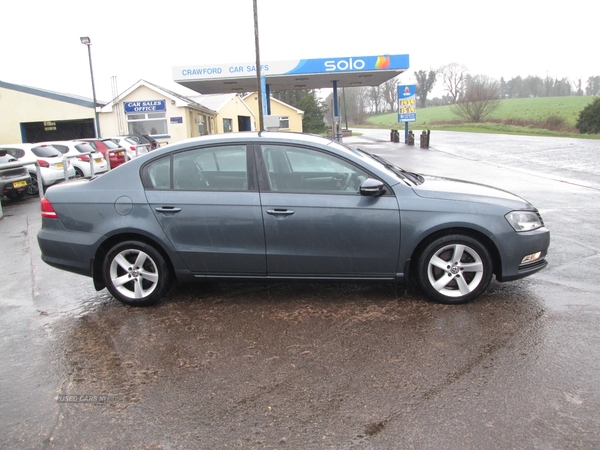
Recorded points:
(97, 160)
(59, 165)
(18, 184)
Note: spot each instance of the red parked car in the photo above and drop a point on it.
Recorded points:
(102, 145)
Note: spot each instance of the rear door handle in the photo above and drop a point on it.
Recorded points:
(280, 212)
(168, 209)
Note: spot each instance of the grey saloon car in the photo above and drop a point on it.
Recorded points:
(288, 206)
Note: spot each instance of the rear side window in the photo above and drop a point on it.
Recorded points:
(14, 152)
(222, 168)
(157, 174)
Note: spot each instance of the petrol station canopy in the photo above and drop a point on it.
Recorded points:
(354, 71)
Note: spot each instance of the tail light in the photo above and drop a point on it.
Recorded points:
(83, 158)
(132, 148)
(48, 210)
(43, 163)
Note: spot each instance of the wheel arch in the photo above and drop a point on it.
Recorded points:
(104, 248)
(479, 236)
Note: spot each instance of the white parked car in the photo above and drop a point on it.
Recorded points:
(81, 163)
(49, 160)
(132, 147)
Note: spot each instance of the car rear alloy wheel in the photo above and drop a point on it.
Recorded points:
(136, 274)
(454, 269)
(33, 188)
(79, 173)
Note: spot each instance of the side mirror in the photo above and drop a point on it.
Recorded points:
(372, 187)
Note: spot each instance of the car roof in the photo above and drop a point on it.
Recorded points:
(263, 135)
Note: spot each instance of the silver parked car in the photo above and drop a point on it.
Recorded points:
(14, 181)
(285, 206)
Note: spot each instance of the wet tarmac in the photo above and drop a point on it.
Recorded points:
(321, 365)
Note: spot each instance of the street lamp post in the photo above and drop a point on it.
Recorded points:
(87, 42)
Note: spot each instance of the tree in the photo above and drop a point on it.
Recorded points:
(453, 78)
(425, 82)
(481, 98)
(292, 96)
(588, 121)
(375, 98)
(593, 86)
(389, 91)
(312, 122)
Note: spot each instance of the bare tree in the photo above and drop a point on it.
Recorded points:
(389, 91)
(454, 78)
(480, 99)
(375, 97)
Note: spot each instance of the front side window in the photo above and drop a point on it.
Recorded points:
(297, 169)
(150, 123)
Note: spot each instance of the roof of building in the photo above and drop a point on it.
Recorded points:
(67, 98)
(179, 99)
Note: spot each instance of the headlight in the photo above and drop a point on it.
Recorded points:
(524, 220)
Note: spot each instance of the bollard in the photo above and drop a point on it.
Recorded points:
(424, 139)
(392, 135)
(411, 138)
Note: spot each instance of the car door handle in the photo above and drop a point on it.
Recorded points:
(280, 212)
(168, 209)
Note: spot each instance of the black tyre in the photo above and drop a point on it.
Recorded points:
(454, 269)
(33, 188)
(78, 173)
(136, 274)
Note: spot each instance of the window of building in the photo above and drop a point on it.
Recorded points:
(149, 123)
(284, 122)
(227, 126)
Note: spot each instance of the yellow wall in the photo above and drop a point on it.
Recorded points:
(234, 108)
(19, 107)
(278, 109)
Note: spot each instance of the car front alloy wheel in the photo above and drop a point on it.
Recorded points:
(454, 269)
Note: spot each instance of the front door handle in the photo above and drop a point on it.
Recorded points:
(168, 209)
(280, 212)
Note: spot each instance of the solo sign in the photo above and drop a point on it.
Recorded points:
(145, 106)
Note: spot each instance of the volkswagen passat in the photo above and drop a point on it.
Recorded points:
(285, 206)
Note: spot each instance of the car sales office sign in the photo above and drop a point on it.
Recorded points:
(145, 106)
(407, 107)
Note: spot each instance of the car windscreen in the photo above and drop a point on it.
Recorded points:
(392, 169)
(84, 147)
(46, 151)
(110, 143)
(14, 152)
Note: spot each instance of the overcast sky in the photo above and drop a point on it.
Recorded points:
(133, 40)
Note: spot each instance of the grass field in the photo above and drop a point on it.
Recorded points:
(545, 116)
